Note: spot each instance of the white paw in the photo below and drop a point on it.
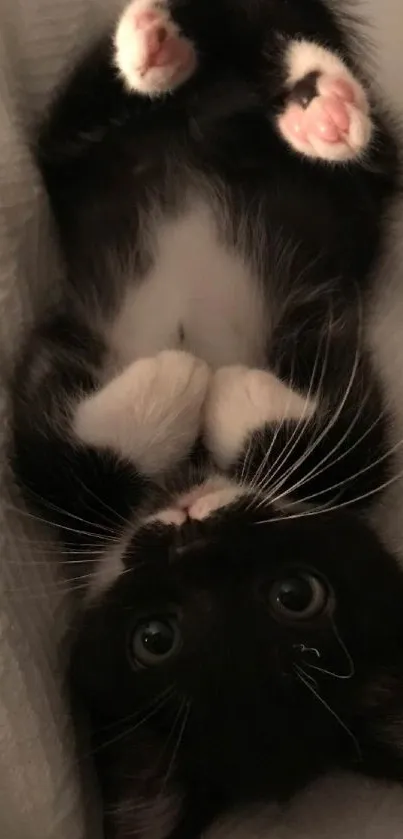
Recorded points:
(150, 414)
(242, 401)
(331, 122)
(151, 54)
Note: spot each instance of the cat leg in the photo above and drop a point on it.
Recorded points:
(152, 55)
(242, 401)
(75, 452)
(149, 414)
(326, 114)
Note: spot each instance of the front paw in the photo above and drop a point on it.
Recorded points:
(151, 53)
(242, 401)
(150, 414)
(326, 115)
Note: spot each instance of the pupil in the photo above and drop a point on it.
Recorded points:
(295, 594)
(157, 638)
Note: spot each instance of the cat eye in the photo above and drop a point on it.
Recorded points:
(154, 641)
(300, 597)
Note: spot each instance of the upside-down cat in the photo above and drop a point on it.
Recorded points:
(201, 412)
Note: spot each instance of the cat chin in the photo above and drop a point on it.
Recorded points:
(199, 502)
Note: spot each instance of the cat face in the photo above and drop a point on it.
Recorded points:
(250, 649)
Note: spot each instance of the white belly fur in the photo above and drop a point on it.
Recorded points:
(197, 296)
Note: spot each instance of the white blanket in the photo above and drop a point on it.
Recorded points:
(41, 795)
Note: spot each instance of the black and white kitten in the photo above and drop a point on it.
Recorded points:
(202, 413)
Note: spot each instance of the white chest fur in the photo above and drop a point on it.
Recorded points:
(198, 296)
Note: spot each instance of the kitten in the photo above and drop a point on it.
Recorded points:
(201, 411)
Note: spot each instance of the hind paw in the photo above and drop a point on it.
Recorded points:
(327, 113)
(151, 53)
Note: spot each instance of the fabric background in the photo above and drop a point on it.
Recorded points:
(41, 795)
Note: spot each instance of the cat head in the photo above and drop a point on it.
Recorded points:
(240, 652)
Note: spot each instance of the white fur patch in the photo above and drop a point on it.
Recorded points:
(151, 54)
(198, 296)
(107, 569)
(242, 401)
(213, 494)
(303, 57)
(150, 413)
(202, 508)
(170, 517)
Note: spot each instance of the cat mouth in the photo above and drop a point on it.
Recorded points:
(199, 503)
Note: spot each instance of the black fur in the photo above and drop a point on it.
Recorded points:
(313, 234)
(252, 729)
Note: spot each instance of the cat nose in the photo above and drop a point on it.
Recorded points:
(191, 536)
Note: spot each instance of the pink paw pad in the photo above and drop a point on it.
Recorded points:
(334, 125)
(151, 53)
(159, 46)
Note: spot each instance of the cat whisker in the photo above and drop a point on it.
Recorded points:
(56, 585)
(57, 525)
(303, 421)
(246, 463)
(89, 556)
(324, 465)
(129, 731)
(171, 732)
(345, 481)
(165, 694)
(185, 710)
(343, 676)
(310, 678)
(335, 415)
(261, 480)
(339, 506)
(320, 437)
(305, 679)
(67, 586)
(55, 508)
(256, 483)
(125, 521)
(51, 547)
(302, 648)
(28, 595)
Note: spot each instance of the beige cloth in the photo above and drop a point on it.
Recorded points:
(40, 796)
